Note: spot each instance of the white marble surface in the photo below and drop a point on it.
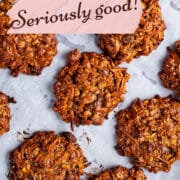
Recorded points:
(34, 96)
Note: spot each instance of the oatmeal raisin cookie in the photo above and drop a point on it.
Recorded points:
(120, 173)
(149, 132)
(47, 156)
(88, 88)
(149, 34)
(24, 53)
(4, 112)
(170, 75)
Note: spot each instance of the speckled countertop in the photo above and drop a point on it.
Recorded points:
(34, 96)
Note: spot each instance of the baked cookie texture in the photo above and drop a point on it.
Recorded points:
(149, 34)
(47, 156)
(5, 24)
(120, 173)
(170, 75)
(149, 132)
(27, 54)
(5, 114)
(24, 53)
(88, 88)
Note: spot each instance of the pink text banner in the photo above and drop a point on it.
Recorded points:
(75, 16)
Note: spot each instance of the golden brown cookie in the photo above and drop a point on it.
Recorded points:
(27, 54)
(149, 132)
(120, 173)
(47, 156)
(88, 88)
(149, 34)
(4, 113)
(170, 75)
(5, 5)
